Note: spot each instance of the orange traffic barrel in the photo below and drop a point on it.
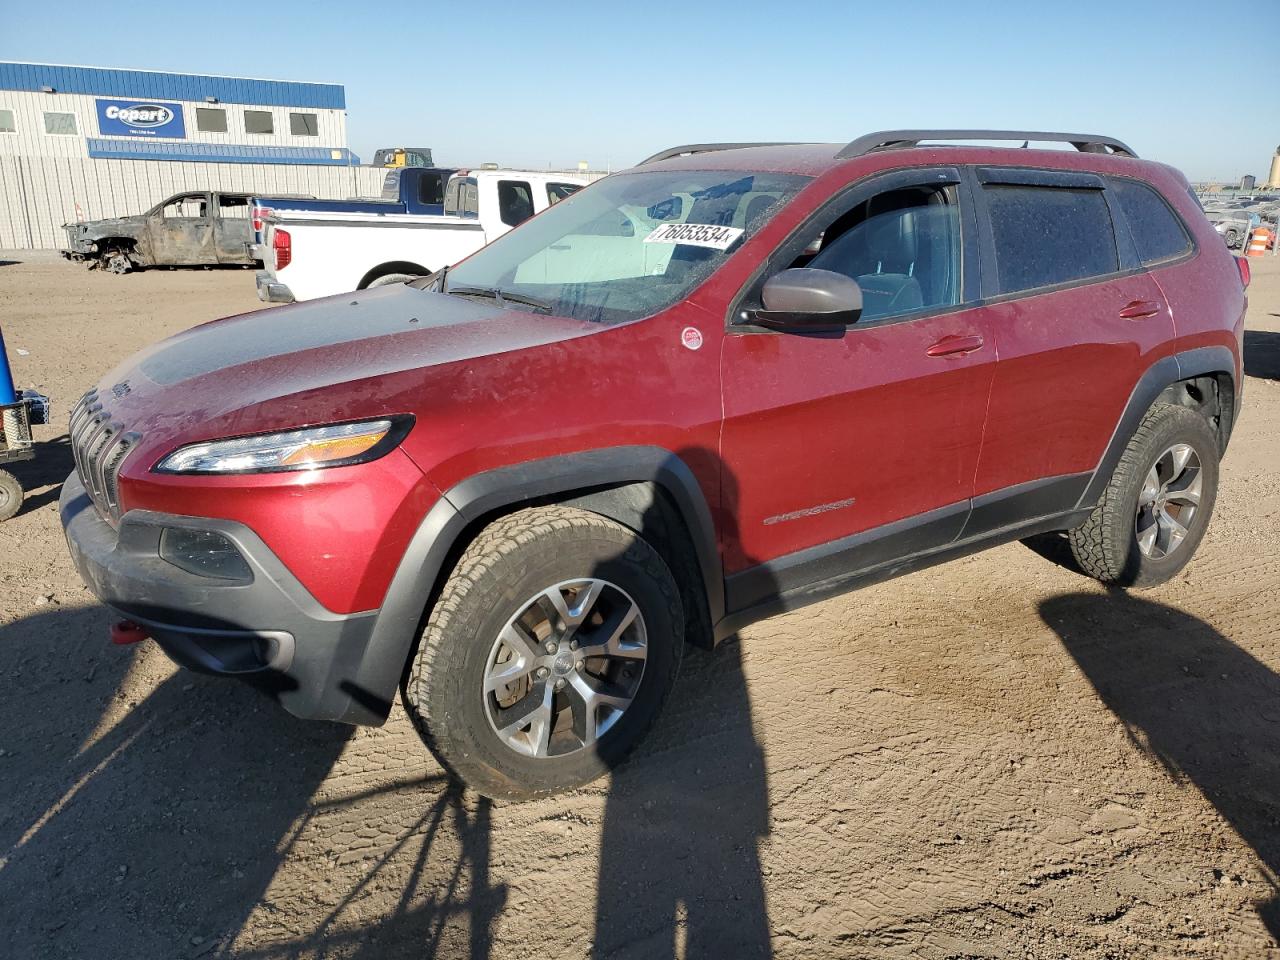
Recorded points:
(1259, 240)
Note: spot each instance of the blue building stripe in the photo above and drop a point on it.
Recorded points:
(145, 85)
(107, 149)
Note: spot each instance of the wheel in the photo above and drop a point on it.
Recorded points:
(390, 278)
(1157, 506)
(1233, 239)
(548, 654)
(10, 495)
(118, 262)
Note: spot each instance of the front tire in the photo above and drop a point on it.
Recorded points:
(117, 262)
(1156, 508)
(548, 654)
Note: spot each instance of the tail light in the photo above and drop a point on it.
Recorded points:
(1245, 273)
(256, 215)
(282, 244)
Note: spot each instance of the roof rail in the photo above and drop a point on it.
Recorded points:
(905, 139)
(706, 148)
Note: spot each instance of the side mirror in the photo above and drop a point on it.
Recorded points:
(808, 300)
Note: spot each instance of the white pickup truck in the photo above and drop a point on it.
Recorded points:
(309, 254)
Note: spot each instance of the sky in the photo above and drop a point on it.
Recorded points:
(542, 84)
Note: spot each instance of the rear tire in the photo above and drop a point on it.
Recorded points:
(10, 495)
(1155, 510)
(548, 609)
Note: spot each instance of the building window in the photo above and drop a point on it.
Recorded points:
(60, 124)
(258, 121)
(6, 122)
(211, 119)
(304, 125)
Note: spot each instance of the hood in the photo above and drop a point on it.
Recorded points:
(365, 353)
(115, 226)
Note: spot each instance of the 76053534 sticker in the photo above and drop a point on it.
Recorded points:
(696, 235)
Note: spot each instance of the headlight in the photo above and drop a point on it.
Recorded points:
(308, 449)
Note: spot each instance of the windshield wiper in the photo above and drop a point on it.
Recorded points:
(503, 297)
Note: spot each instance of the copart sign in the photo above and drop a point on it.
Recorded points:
(140, 118)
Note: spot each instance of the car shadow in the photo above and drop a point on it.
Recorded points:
(1196, 703)
(1262, 354)
(157, 813)
(137, 828)
(1054, 547)
(680, 871)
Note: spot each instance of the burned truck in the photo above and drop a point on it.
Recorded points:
(196, 229)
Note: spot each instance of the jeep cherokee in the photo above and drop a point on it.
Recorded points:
(733, 380)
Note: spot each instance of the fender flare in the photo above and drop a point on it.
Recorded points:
(433, 545)
(1155, 380)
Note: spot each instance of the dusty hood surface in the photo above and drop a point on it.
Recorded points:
(358, 354)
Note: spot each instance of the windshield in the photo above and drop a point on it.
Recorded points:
(631, 245)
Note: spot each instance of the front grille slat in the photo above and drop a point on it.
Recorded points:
(99, 446)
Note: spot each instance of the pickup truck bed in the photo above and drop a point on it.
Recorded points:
(316, 253)
(411, 190)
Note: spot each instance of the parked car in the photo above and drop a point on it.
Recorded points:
(417, 190)
(197, 228)
(311, 254)
(718, 386)
(1232, 226)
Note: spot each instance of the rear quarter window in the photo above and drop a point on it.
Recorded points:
(1049, 235)
(1157, 231)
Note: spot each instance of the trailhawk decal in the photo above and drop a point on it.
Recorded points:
(695, 235)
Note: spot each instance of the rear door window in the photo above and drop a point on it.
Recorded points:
(515, 201)
(1156, 229)
(431, 188)
(1046, 236)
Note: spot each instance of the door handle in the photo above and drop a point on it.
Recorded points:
(955, 346)
(1137, 309)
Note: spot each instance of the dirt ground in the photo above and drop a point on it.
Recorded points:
(993, 758)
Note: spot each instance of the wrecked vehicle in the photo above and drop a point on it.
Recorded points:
(199, 228)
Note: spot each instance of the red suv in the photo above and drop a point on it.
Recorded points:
(730, 381)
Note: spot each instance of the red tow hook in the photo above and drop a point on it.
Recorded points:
(125, 632)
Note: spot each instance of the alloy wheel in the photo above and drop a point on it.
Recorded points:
(1168, 501)
(565, 668)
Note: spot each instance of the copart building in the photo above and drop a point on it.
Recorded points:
(85, 143)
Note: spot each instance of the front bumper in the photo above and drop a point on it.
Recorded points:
(272, 291)
(270, 630)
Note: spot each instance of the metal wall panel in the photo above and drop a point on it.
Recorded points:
(39, 194)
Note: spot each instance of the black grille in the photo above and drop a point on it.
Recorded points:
(99, 445)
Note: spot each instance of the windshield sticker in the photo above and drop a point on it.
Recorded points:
(696, 235)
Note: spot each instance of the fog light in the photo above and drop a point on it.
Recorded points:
(204, 553)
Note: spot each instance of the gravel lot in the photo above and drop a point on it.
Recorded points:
(993, 758)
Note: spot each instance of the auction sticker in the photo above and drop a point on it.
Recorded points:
(691, 337)
(695, 235)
